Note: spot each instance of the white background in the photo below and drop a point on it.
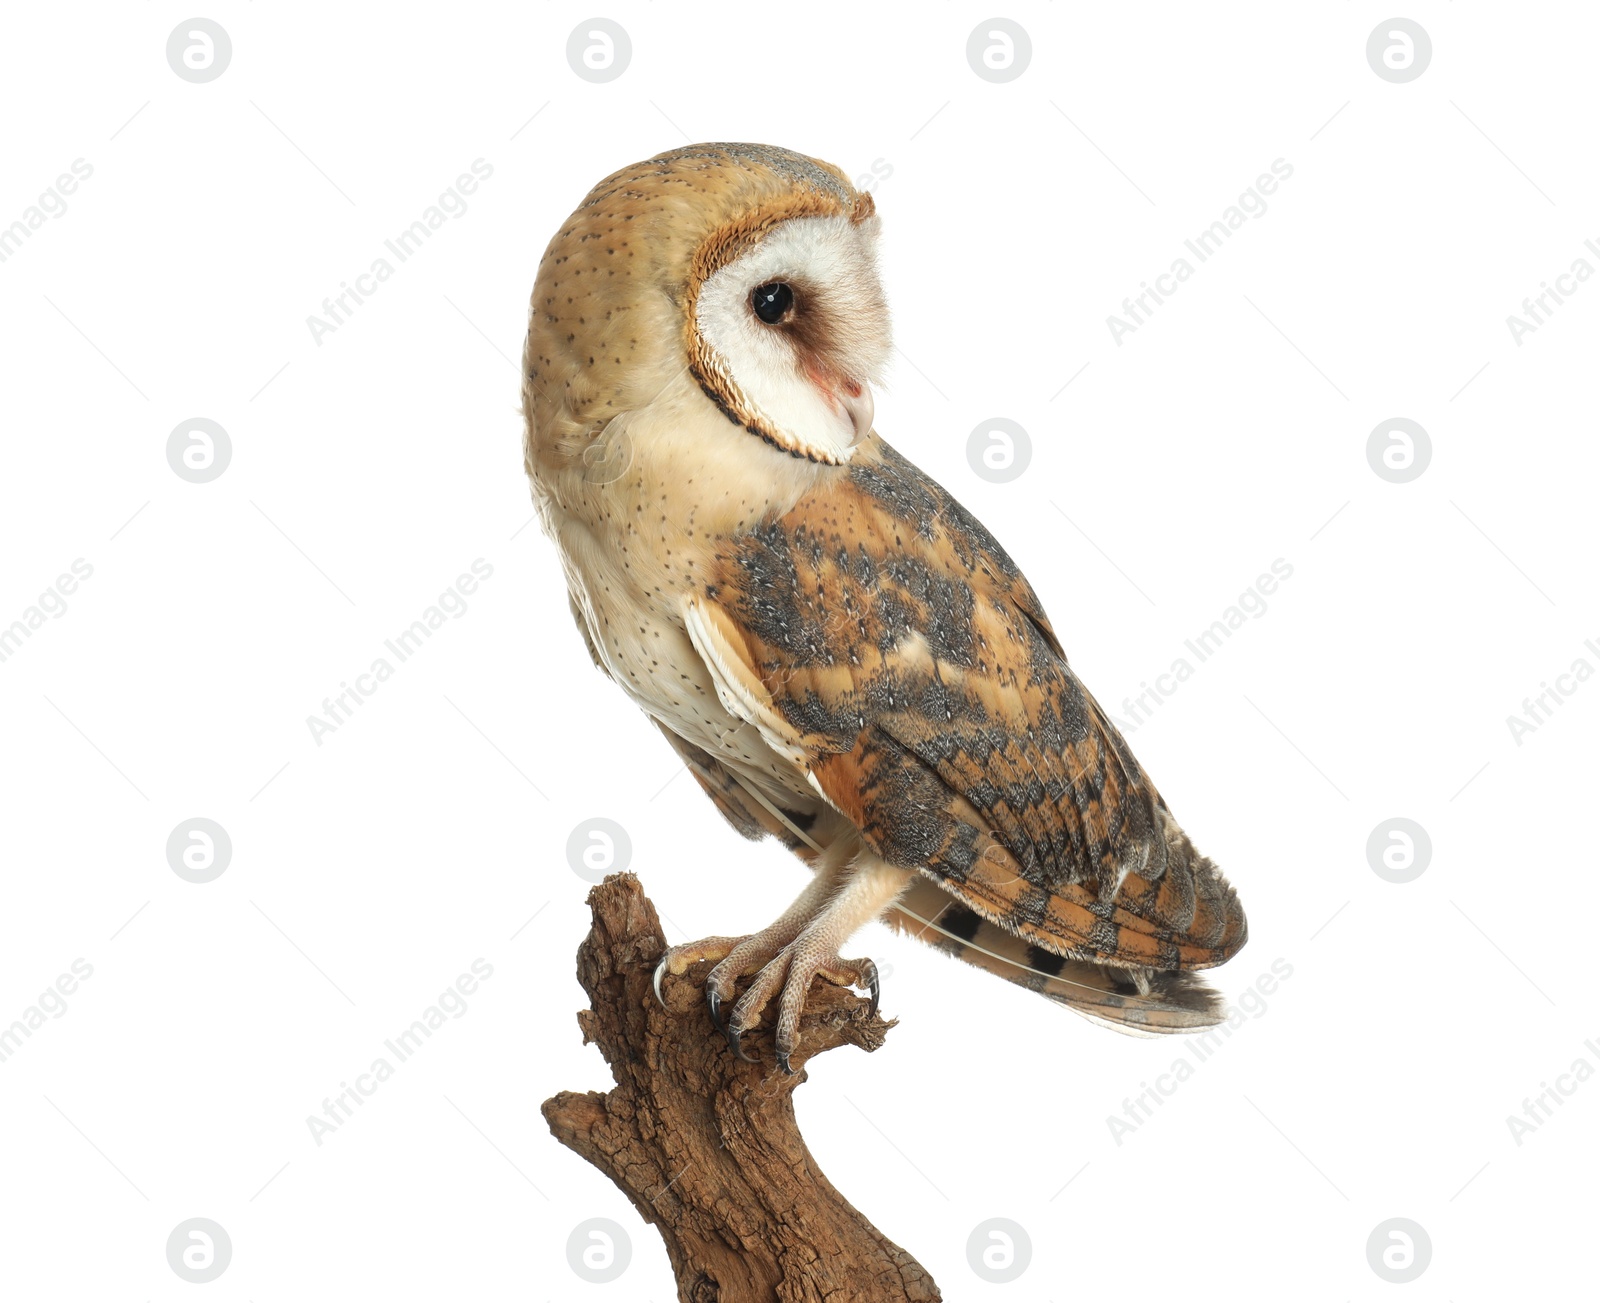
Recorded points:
(371, 469)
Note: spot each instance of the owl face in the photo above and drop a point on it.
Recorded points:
(711, 294)
(788, 336)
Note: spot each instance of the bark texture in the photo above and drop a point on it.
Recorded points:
(705, 1146)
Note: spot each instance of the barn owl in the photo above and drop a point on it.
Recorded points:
(842, 656)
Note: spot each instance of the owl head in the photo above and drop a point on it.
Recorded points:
(738, 283)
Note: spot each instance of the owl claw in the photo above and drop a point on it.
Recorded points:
(738, 1049)
(655, 983)
(714, 1003)
(783, 1062)
(872, 986)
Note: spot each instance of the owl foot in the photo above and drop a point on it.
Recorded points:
(739, 957)
(788, 976)
(802, 944)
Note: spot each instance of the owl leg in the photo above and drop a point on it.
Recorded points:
(742, 955)
(868, 888)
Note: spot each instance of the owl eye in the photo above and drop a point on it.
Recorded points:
(771, 302)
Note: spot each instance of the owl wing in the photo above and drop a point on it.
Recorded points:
(880, 636)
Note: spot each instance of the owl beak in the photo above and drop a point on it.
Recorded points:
(856, 399)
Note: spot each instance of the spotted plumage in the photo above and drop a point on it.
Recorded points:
(936, 711)
(842, 655)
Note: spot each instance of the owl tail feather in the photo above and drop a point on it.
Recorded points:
(1138, 1002)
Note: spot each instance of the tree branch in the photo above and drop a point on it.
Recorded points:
(705, 1146)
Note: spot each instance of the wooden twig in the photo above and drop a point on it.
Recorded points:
(705, 1146)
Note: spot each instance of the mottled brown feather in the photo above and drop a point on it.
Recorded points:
(880, 630)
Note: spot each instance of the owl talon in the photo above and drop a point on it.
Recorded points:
(736, 1047)
(714, 1003)
(655, 983)
(783, 1062)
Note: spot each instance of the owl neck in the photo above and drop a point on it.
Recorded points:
(680, 466)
